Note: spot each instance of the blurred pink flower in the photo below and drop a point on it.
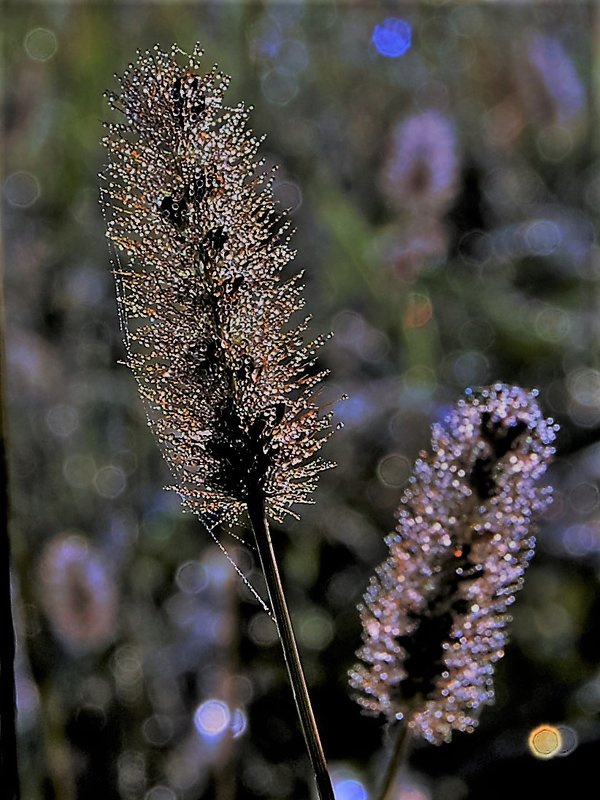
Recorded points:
(408, 251)
(77, 593)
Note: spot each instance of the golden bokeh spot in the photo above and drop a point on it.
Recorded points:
(545, 741)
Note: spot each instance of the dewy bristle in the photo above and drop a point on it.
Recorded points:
(206, 316)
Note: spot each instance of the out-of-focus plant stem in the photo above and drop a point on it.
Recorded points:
(9, 776)
(256, 512)
(389, 789)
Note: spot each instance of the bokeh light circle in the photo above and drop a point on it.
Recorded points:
(21, 189)
(392, 37)
(40, 44)
(545, 741)
(350, 789)
(212, 718)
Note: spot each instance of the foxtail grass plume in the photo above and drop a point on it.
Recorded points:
(435, 613)
(421, 170)
(77, 593)
(210, 325)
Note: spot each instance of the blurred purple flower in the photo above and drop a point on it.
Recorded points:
(550, 84)
(421, 169)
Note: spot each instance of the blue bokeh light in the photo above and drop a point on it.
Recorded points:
(212, 719)
(350, 789)
(392, 37)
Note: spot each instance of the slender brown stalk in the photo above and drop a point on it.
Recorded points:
(395, 763)
(256, 512)
(9, 776)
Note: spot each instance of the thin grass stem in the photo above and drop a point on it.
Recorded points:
(281, 613)
(395, 763)
(9, 776)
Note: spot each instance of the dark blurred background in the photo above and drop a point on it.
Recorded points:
(440, 163)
